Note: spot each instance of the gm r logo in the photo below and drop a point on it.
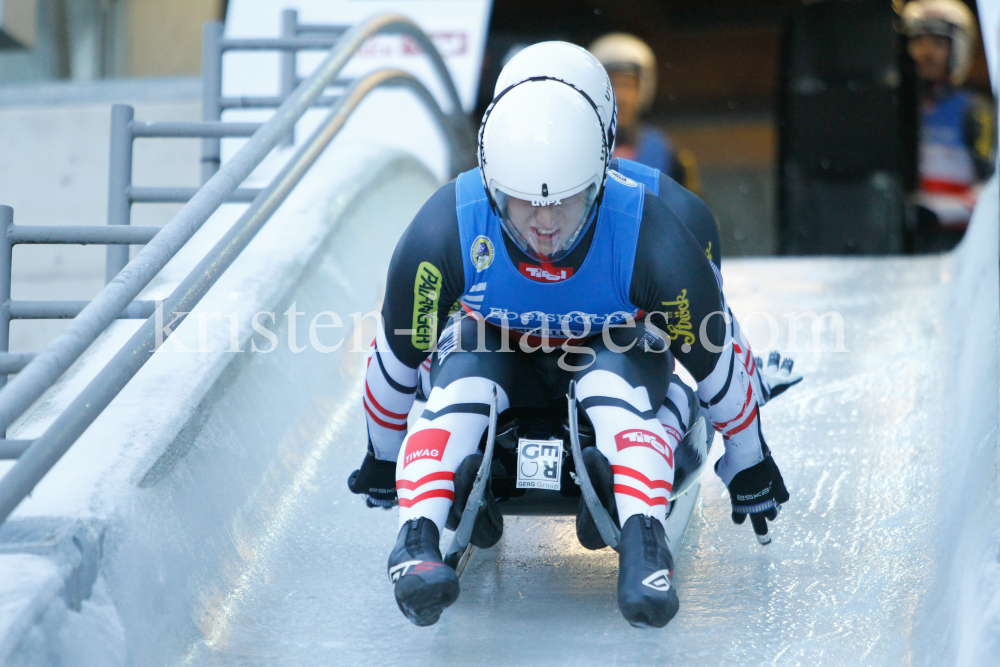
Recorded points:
(642, 438)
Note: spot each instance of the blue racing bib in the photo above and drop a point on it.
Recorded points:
(542, 300)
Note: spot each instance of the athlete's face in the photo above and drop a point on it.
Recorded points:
(930, 53)
(548, 228)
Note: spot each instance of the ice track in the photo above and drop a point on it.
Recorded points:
(861, 444)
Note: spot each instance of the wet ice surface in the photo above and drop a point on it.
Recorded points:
(842, 584)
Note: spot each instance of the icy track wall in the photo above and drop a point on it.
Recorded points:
(962, 611)
(962, 616)
(136, 543)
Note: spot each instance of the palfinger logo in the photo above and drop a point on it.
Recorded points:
(426, 293)
(642, 438)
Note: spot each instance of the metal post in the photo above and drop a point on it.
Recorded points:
(119, 182)
(6, 220)
(289, 30)
(211, 96)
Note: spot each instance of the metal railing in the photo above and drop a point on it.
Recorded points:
(118, 299)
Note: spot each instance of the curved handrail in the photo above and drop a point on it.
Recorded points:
(48, 365)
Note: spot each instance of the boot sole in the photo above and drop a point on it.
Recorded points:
(423, 603)
(648, 613)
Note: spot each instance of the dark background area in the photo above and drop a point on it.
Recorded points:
(717, 77)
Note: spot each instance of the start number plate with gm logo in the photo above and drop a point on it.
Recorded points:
(539, 464)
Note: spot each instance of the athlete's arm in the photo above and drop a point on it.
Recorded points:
(425, 278)
(695, 215)
(673, 276)
(979, 121)
(686, 205)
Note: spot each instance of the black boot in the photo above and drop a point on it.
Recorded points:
(424, 585)
(488, 528)
(646, 595)
(603, 481)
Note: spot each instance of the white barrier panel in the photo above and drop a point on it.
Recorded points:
(457, 28)
(392, 119)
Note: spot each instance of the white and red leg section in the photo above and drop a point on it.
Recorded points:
(449, 430)
(639, 449)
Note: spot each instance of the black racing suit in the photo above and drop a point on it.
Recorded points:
(671, 274)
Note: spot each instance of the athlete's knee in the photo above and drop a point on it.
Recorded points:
(636, 354)
(471, 348)
(470, 394)
(465, 333)
(680, 407)
(600, 387)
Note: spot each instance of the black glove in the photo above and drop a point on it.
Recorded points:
(777, 376)
(376, 479)
(759, 492)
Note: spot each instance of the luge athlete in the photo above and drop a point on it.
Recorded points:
(559, 265)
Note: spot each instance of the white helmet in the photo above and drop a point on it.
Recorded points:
(620, 51)
(566, 62)
(543, 142)
(946, 18)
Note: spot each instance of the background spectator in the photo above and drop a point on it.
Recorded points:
(956, 126)
(631, 65)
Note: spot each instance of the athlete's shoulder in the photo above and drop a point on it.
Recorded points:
(433, 232)
(980, 107)
(666, 244)
(659, 218)
(439, 209)
(622, 195)
(615, 176)
(668, 261)
(683, 202)
(695, 215)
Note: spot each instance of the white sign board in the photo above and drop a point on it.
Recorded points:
(457, 27)
(391, 118)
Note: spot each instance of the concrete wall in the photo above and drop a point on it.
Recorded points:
(735, 155)
(54, 171)
(87, 40)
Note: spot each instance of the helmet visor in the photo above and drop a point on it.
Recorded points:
(547, 232)
(931, 25)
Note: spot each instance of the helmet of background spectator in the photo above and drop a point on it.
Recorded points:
(619, 52)
(944, 18)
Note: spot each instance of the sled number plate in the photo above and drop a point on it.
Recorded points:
(539, 464)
